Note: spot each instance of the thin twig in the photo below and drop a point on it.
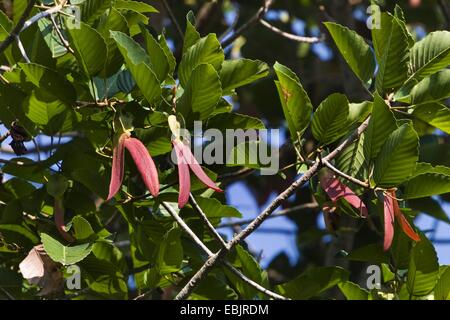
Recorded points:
(281, 213)
(344, 175)
(290, 35)
(186, 228)
(250, 23)
(210, 254)
(173, 19)
(206, 221)
(43, 14)
(22, 50)
(213, 260)
(64, 42)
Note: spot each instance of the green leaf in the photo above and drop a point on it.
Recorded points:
(354, 49)
(313, 282)
(370, 253)
(427, 181)
(239, 72)
(442, 289)
(83, 229)
(397, 158)
(155, 139)
(90, 48)
(225, 121)
(50, 116)
(352, 160)
(170, 254)
(433, 88)
(214, 209)
(381, 124)
(297, 107)
(202, 93)
(5, 26)
(191, 35)
(330, 119)
(51, 81)
(392, 52)
(115, 21)
(251, 269)
(352, 291)
(65, 255)
(207, 50)
(430, 55)
(138, 63)
(169, 55)
(429, 206)
(158, 59)
(91, 10)
(423, 268)
(358, 112)
(27, 169)
(136, 6)
(57, 185)
(435, 114)
(51, 39)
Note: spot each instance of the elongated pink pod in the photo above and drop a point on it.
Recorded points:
(144, 163)
(404, 224)
(197, 169)
(117, 171)
(58, 213)
(336, 190)
(388, 222)
(183, 174)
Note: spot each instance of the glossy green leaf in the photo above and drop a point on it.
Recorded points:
(313, 282)
(234, 121)
(65, 255)
(239, 72)
(114, 21)
(427, 181)
(435, 114)
(433, 88)
(138, 63)
(423, 268)
(297, 107)
(352, 291)
(207, 50)
(170, 253)
(90, 48)
(330, 119)
(442, 289)
(202, 93)
(354, 49)
(191, 35)
(397, 158)
(430, 55)
(158, 59)
(392, 52)
(381, 124)
(51, 81)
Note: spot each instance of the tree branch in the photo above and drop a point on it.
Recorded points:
(213, 260)
(344, 175)
(250, 23)
(281, 213)
(173, 19)
(23, 24)
(205, 220)
(289, 35)
(18, 28)
(210, 254)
